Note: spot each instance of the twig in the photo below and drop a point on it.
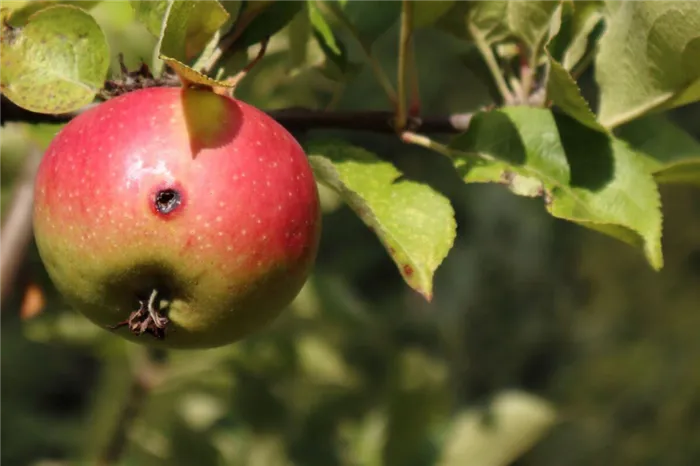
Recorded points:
(234, 80)
(229, 39)
(17, 226)
(404, 45)
(147, 375)
(424, 141)
(294, 119)
(490, 59)
(414, 108)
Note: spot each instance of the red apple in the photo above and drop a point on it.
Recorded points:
(179, 213)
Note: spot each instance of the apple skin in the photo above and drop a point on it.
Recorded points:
(228, 258)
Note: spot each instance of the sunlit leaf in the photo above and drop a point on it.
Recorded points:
(21, 13)
(563, 91)
(152, 13)
(497, 20)
(586, 176)
(586, 17)
(414, 222)
(499, 434)
(334, 50)
(56, 63)
(190, 25)
(649, 59)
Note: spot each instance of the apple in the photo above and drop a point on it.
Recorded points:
(177, 217)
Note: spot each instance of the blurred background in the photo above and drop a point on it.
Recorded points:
(545, 345)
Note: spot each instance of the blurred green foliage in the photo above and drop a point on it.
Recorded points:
(533, 321)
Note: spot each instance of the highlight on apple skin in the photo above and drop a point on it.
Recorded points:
(177, 217)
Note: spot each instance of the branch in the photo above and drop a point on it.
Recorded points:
(404, 51)
(17, 226)
(294, 119)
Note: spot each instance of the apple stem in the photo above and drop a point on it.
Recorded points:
(146, 319)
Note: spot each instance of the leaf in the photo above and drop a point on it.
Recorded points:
(334, 50)
(368, 19)
(586, 176)
(323, 30)
(20, 16)
(497, 20)
(151, 13)
(563, 91)
(425, 14)
(497, 436)
(56, 63)
(189, 26)
(414, 222)
(649, 59)
(268, 20)
(586, 18)
(672, 155)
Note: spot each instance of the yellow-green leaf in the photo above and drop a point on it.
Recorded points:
(189, 26)
(563, 91)
(414, 222)
(649, 59)
(56, 63)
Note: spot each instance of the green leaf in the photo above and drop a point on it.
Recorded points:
(497, 20)
(425, 14)
(56, 63)
(333, 49)
(20, 16)
(151, 13)
(649, 59)
(563, 91)
(368, 19)
(497, 436)
(189, 26)
(414, 222)
(269, 20)
(323, 30)
(586, 176)
(586, 18)
(672, 155)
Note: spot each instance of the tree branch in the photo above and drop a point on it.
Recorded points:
(294, 119)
